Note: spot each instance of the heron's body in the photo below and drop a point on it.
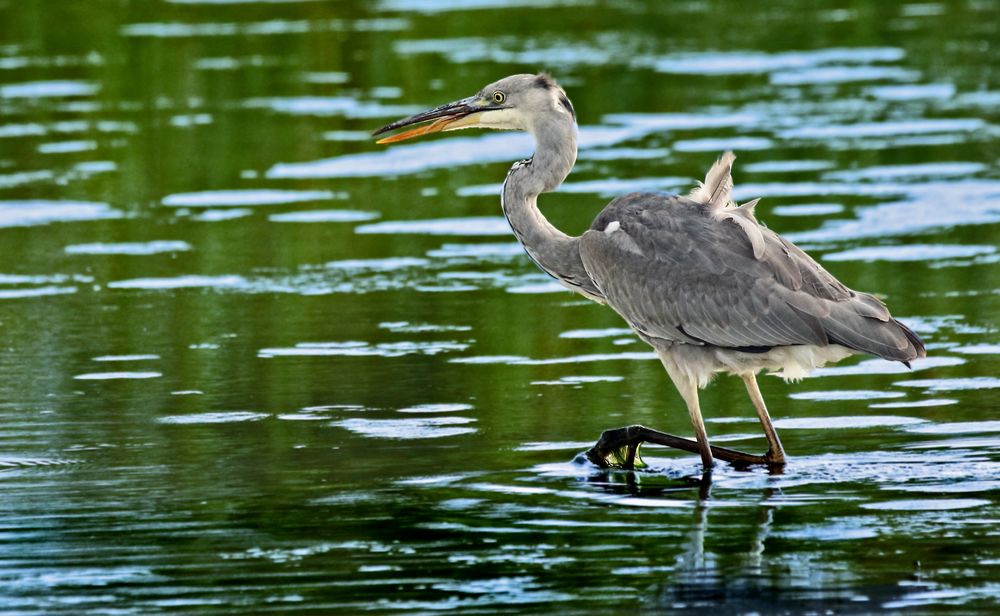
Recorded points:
(696, 277)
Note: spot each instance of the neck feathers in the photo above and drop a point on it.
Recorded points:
(551, 249)
(555, 155)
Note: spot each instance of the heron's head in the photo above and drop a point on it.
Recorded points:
(518, 102)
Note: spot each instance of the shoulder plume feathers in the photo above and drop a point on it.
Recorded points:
(715, 193)
(717, 188)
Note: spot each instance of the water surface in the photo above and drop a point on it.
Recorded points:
(253, 362)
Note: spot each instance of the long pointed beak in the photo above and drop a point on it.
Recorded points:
(459, 114)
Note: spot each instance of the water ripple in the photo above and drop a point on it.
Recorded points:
(910, 252)
(607, 332)
(245, 197)
(481, 225)
(863, 130)
(44, 291)
(136, 357)
(179, 282)
(323, 106)
(942, 504)
(845, 423)
(978, 349)
(310, 216)
(42, 212)
(434, 7)
(953, 384)
(106, 376)
(914, 92)
(437, 408)
(388, 264)
(580, 380)
(959, 427)
(914, 404)
(214, 215)
(883, 366)
(213, 418)
(176, 29)
(842, 74)
(406, 429)
(419, 328)
(48, 89)
(973, 202)
(748, 62)
(912, 172)
(515, 360)
(129, 248)
(850, 394)
(363, 349)
(808, 209)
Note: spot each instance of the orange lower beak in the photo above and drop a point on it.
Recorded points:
(459, 114)
(433, 127)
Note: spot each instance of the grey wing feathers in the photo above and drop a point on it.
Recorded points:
(677, 273)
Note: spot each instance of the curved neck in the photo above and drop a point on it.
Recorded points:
(554, 157)
(551, 249)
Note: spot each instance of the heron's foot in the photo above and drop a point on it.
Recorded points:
(619, 448)
(774, 458)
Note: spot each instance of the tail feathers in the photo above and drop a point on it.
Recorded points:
(889, 340)
(914, 339)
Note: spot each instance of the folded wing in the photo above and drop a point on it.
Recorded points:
(689, 272)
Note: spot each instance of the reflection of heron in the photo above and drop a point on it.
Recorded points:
(696, 277)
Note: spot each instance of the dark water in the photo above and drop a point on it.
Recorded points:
(253, 362)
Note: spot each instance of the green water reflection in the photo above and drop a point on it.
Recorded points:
(253, 362)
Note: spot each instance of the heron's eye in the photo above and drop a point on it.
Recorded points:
(499, 97)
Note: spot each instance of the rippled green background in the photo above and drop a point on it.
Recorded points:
(253, 362)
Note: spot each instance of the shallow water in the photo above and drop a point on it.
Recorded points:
(253, 362)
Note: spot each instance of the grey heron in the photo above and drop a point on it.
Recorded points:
(696, 277)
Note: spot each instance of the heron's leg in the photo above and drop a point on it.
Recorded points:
(775, 452)
(690, 394)
(689, 391)
(619, 447)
